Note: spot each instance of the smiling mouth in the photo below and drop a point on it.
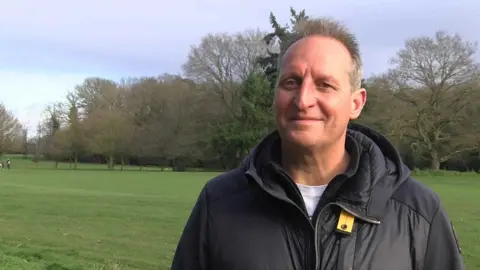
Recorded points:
(306, 119)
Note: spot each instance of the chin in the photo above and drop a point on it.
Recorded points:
(303, 138)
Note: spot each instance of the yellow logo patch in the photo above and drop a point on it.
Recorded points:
(345, 222)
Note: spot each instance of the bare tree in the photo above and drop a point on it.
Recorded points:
(382, 109)
(39, 142)
(437, 81)
(108, 128)
(181, 125)
(222, 61)
(169, 116)
(145, 105)
(10, 130)
(95, 93)
(53, 123)
(25, 142)
(75, 134)
(57, 147)
(108, 134)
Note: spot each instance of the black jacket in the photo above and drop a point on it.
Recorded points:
(375, 217)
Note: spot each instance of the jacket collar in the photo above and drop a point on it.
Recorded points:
(375, 172)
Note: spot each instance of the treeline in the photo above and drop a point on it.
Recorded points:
(427, 104)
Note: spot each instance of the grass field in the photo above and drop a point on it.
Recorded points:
(96, 219)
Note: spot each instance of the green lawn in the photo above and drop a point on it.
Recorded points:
(461, 197)
(95, 219)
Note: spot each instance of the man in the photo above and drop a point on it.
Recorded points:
(319, 193)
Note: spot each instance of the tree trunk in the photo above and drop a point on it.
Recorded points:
(435, 162)
(75, 162)
(123, 162)
(110, 162)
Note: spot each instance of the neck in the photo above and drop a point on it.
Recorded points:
(314, 167)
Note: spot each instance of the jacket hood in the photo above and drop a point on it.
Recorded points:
(379, 173)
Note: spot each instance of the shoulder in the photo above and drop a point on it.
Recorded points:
(226, 185)
(418, 197)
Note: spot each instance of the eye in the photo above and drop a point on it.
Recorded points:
(290, 83)
(325, 86)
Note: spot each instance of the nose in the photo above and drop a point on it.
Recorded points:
(305, 96)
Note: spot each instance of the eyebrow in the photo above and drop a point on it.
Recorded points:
(329, 78)
(294, 72)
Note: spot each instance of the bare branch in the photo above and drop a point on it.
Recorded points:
(222, 61)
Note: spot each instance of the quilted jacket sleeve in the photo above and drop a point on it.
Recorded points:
(443, 250)
(191, 252)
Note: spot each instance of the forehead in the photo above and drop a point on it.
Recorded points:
(321, 54)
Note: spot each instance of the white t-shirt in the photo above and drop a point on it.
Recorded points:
(311, 195)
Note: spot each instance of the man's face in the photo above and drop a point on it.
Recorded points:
(314, 100)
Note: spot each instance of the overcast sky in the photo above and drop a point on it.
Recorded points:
(49, 46)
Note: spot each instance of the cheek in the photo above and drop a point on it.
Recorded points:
(281, 102)
(335, 105)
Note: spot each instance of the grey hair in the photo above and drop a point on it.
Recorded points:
(331, 28)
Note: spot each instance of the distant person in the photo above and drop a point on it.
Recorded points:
(8, 164)
(319, 192)
(1, 165)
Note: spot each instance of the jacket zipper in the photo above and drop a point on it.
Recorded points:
(308, 255)
(315, 227)
(366, 219)
(304, 211)
(317, 255)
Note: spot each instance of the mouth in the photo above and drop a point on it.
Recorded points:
(305, 119)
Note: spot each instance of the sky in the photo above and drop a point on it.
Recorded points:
(47, 47)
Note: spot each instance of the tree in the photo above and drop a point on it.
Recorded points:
(57, 146)
(109, 127)
(74, 137)
(381, 110)
(95, 93)
(274, 42)
(141, 106)
(25, 142)
(233, 140)
(436, 82)
(182, 130)
(53, 149)
(222, 61)
(98, 119)
(428, 105)
(39, 142)
(10, 130)
(109, 132)
(160, 116)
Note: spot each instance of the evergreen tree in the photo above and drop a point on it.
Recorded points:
(274, 41)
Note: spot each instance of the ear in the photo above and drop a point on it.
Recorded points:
(359, 98)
